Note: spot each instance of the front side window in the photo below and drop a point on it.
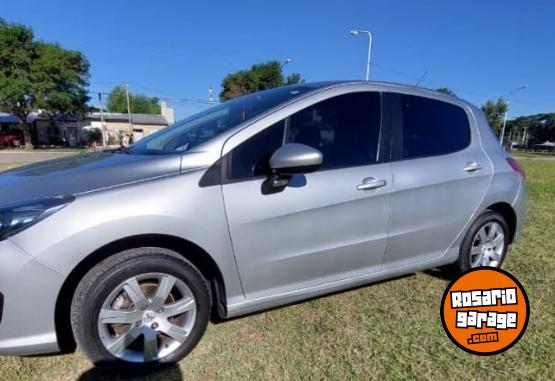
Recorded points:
(346, 129)
(431, 127)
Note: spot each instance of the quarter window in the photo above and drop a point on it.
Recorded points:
(432, 127)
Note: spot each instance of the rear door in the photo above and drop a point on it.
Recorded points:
(440, 176)
(325, 226)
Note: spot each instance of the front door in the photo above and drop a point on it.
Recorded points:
(325, 226)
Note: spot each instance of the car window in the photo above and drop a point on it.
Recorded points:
(432, 127)
(199, 128)
(345, 129)
(251, 158)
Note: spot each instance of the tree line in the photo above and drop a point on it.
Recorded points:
(36, 75)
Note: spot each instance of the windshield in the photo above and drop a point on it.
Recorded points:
(201, 127)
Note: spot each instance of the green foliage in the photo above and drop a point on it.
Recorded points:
(259, 77)
(37, 75)
(540, 128)
(138, 103)
(495, 113)
(446, 90)
(294, 79)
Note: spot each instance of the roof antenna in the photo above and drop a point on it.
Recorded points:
(421, 78)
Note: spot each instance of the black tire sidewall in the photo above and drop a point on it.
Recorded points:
(109, 274)
(488, 216)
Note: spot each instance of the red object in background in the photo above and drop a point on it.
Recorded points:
(7, 140)
(516, 167)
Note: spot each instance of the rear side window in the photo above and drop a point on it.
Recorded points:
(431, 127)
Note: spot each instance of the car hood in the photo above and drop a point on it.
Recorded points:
(82, 173)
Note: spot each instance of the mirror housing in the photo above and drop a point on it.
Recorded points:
(290, 160)
(295, 158)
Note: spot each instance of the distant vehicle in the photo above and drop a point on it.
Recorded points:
(264, 200)
(8, 140)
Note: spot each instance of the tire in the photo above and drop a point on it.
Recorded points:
(143, 314)
(471, 243)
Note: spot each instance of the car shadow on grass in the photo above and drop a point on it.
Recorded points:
(447, 273)
(167, 373)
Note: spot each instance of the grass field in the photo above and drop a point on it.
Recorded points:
(388, 330)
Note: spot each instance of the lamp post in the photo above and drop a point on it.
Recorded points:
(356, 32)
(287, 60)
(502, 136)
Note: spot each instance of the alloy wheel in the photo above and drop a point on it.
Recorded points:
(488, 246)
(147, 317)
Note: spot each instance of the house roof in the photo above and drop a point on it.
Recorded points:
(9, 118)
(135, 118)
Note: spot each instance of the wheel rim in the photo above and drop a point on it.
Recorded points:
(147, 317)
(488, 246)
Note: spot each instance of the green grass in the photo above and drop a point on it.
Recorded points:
(388, 330)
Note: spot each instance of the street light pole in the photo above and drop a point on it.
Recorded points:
(355, 32)
(287, 60)
(128, 108)
(502, 136)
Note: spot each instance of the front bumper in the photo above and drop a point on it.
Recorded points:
(29, 291)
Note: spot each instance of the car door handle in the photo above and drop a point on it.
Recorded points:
(371, 183)
(472, 166)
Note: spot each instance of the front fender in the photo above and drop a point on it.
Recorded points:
(173, 206)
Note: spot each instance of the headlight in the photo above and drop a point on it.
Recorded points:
(18, 217)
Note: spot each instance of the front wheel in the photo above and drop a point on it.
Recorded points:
(140, 309)
(485, 243)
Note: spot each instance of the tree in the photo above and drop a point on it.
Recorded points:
(539, 129)
(35, 75)
(495, 113)
(138, 103)
(446, 90)
(259, 77)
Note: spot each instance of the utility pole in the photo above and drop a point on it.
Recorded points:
(102, 127)
(128, 108)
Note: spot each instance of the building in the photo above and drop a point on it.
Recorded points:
(73, 132)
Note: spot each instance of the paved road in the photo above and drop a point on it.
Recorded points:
(28, 157)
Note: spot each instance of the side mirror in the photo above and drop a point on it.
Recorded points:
(294, 158)
(289, 160)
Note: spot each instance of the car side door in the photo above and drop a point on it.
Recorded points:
(440, 176)
(324, 226)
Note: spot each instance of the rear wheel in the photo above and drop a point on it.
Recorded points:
(140, 309)
(485, 243)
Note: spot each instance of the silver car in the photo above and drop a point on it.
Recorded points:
(264, 200)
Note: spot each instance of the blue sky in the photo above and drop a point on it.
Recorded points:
(177, 49)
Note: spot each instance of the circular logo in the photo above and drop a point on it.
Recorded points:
(485, 311)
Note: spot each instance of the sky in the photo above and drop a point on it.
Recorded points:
(176, 50)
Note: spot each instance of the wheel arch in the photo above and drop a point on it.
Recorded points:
(509, 214)
(189, 250)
